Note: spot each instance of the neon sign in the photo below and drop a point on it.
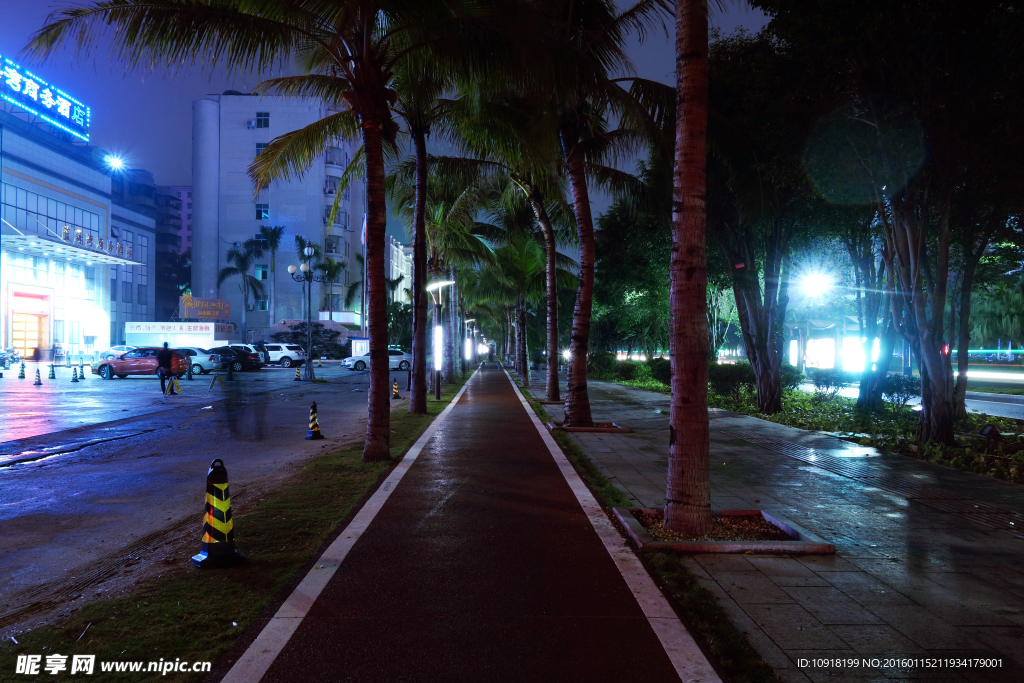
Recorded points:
(24, 89)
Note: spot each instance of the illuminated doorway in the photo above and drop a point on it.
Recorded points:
(26, 333)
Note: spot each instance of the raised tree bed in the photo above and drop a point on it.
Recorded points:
(739, 531)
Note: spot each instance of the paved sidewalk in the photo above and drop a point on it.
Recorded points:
(929, 563)
(480, 566)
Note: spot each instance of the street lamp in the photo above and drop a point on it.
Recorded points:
(435, 293)
(307, 277)
(469, 340)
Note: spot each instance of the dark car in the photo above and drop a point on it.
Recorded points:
(238, 360)
(140, 361)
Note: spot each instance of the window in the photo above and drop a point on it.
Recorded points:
(273, 347)
(190, 205)
(262, 303)
(142, 294)
(262, 212)
(58, 331)
(262, 272)
(190, 217)
(190, 195)
(113, 289)
(260, 146)
(263, 119)
(332, 245)
(126, 293)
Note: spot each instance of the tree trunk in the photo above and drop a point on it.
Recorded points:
(577, 401)
(523, 361)
(418, 397)
(688, 490)
(378, 422)
(245, 307)
(446, 313)
(551, 296)
(271, 304)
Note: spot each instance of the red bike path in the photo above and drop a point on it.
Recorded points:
(480, 566)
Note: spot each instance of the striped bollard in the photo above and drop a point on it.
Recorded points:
(217, 548)
(314, 425)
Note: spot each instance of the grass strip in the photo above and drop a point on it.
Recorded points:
(705, 619)
(196, 615)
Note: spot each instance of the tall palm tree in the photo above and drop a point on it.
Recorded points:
(350, 49)
(271, 241)
(242, 258)
(331, 270)
(688, 490)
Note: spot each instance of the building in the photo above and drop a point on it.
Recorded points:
(229, 130)
(183, 194)
(398, 264)
(75, 247)
(133, 221)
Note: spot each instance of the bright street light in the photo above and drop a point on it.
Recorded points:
(114, 162)
(439, 284)
(815, 284)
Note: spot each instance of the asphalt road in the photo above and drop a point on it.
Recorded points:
(1002, 405)
(74, 497)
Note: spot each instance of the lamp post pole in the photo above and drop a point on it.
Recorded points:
(307, 277)
(435, 293)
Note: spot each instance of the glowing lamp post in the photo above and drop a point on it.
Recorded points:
(435, 293)
(468, 341)
(307, 277)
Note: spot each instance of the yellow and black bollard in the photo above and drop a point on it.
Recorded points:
(394, 391)
(53, 373)
(81, 372)
(39, 381)
(74, 374)
(218, 546)
(21, 372)
(318, 363)
(297, 377)
(314, 425)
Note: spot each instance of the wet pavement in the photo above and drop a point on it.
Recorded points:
(73, 500)
(480, 566)
(929, 566)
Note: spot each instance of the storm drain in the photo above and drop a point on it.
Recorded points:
(857, 470)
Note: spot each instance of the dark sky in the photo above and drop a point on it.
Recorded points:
(148, 118)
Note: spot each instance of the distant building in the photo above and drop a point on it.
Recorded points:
(76, 238)
(228, 131)
(398, 264)
(183, 193)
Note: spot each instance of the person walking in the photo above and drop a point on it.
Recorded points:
(163, 361)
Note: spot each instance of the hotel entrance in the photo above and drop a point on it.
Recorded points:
(26, 333)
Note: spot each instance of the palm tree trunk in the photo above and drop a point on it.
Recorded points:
(577, 401)
(418, 399)
(245, 307)
(508, 334)
(524, 363)
(688, 494)
(273, 288)
(456, 325)
(448, 319)
(551, 383)
(378, 423)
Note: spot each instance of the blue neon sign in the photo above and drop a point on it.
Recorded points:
(24, 89)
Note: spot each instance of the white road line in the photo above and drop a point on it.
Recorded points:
(688, 660)
(256, 660)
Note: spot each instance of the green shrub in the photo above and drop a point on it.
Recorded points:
(728, 379)
(897, 390)
(829, 381)
(791, 378)
(629, 369)
(661, 370)
(601, 363)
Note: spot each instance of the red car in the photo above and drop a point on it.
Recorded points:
(141, 361)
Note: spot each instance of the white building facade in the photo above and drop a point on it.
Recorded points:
(229, 130)
(75, 257)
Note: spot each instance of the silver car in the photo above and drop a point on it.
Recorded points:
(397, 360)
(202, 360)
(116, 351)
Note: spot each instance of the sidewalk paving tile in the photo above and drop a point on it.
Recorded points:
(792, 627)
(830, 606)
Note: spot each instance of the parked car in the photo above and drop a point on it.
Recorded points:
(285, 355)
(139, 361)
(397, 360)
(116, 351)
(249, 348)
(238, 359)
(203, 360)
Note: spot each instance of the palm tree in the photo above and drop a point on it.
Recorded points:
(351, 50)
(242, 257)
(688, 490)
(271, 241)
(331, 270)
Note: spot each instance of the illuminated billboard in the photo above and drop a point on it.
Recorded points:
(24, 89)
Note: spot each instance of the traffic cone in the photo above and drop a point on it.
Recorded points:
(53, 374)
(67, 356)
(314, 425)
(81, 369)
(394, 391)
(74, 374)
(218, 545)
(39, 381)
(21, 372)
(297, 377)
(318, 363)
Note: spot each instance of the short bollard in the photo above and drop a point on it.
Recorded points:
(81, 372)
(188, 373)
(218, 545)
(394, 391)
(314, 425)
(53, 373)
(67, 357)
(21, 372)
(74, 374)
(298, 378)
(39, 381)
(231, 375)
